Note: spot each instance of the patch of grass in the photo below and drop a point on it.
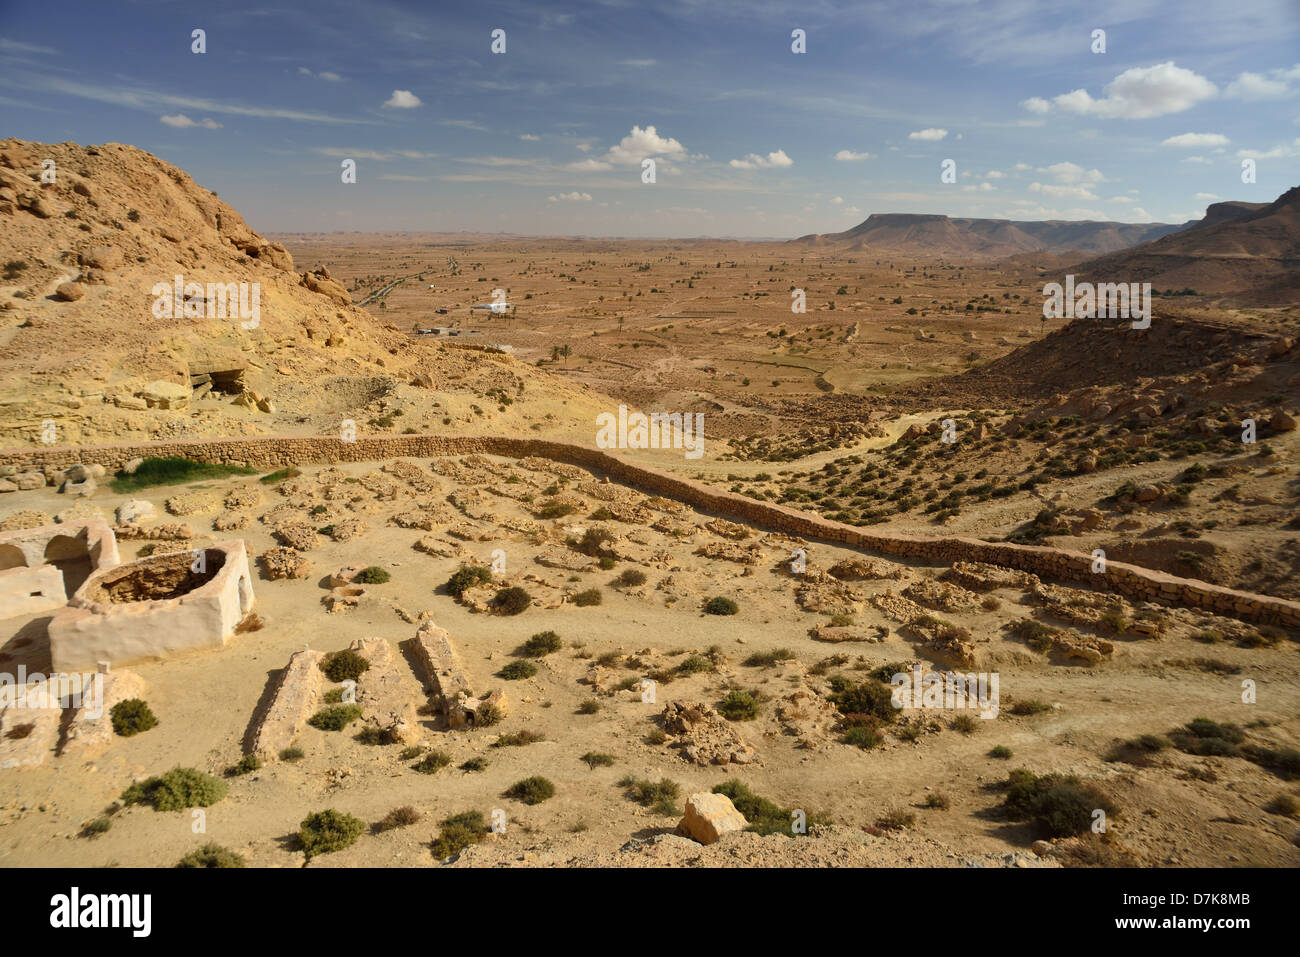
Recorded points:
(587, 598)
(345, 665)
(459, 832)
(292, 753)
(1205, 738)
(542, 643)
(474, 764)
(179, 788)
(595, 543)
(335, 717)
(660, 796)
(373, 575)
(695, 664)
(411, 753)
(398, 817)
(896, 820)
(1138, 751)
(518, 671)
(1033, 633)
(487, 715)
(631, 577)
(173, 470)
(864, 736)
(466, 577)
(938, 802)
(739, 706)
(531, 791)
(432, 763)
(871, 696)
(1001, 752)
(280, 475)
(327, 831)
(590, 706)
(512, 601)
(373, 735)
(245, 765)
(518, 739)
(720, 606)
(1030, 706)
(1060, 805)
(768, 659)
(965, 723)
(100, 825)
(211, 855)
(597, 759)
(131, 717)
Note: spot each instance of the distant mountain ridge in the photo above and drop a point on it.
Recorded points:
(932, 234)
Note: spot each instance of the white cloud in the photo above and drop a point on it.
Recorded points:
(837, 201)
(1137, 93)
(984, 187)
(1121, 199)
(181, 121)
(574, 197)
(323, 75)
(638, 63)
(849, 156)
(1062, 192)
(530, 137)
(403, 100)
(1036, 104)
(590, 165)
(1256, 86)
(339, 152)
(1281, 151)
(1207, 196)
(773, 160)
(1072, 173)
(1023, 166)
(995, 174)
(1196, 140)
(932, 135)
(642, 143)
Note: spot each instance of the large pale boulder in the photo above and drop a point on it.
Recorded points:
(709, 816)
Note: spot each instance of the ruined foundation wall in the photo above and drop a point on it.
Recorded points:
(1059, 564)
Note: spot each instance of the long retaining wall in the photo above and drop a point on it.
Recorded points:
(1059, 564)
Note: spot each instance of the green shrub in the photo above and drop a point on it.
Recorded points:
(173, 470)
(542, 643)
(720, 606)
(327, 831)
(606, 563)
(131, 717)
(871, 697)
(518, 739)
(1030, 706)
(595, 543)
(590, 706)
(630, 577)
(1060, 805)
(532, 790)
(896, 820)
(245, 765)
(518, 670)
(584, 599)
(474, 764)
(512, 600)
(459, 832)
(211, 855)
(965, 723)
(1033, 633)
(374, 575)
(764, 816)
(739, 706)
(1001, 752)
(280, 475)
(398, 817)
(345, 665)
(292, 753)
(374, 735)
(335, 717)
(1204, 737)
(487, 715)
(466, 577)
(660, 796)
(597, 759)
(100, 825)
(179, 788)
(768, 659)
(863, 736)
(694, 664)
(433, 762)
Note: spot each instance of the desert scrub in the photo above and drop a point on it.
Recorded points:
(937, 802)
(585, 599)
(720, 606)
(531, 791)
(1033, 633)
(862, 735)
(518, 671)
(373, 575)
(695, 664)
(1284, 805)
(211, 855)
(245, 765)
(173, 470)
(597, 759)
(131, 717)
(739, 706)
(374, 735)
(292, 753)
(100, 825)
(280, 475)
(896, 820)
(345, 665)
(474, 764)
(179, 788)
(487, 715)
(335, 717)
(466, 577)
(1060, 805)
(965, 723)
(1001, 752)
(595, 543)
(512, 601)
(398, 817)
(1204, 737)
(590, 706)
(432, 763)
(327, 831)
(660, 796)
(518, 739)
(768, 659)
(872, 697)
(764, 816)
(459, 832)
(542, 643)
(1138, 751)
(631, 577)
(1030, 706)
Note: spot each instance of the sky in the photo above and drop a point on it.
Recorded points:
(749, 138)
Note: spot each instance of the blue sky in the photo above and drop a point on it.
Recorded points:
(750, 139)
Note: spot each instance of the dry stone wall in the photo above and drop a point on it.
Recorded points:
(268, 452)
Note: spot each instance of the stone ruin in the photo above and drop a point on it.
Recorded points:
(42, 568)
(153, 608)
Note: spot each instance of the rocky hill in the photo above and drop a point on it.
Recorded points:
(91, 341)
(1247, 253)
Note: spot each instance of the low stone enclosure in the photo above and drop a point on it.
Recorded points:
(71, 717)
(153, 607)
(41, 568)
(1132, 581)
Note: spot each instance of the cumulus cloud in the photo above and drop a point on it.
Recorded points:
(1276, 85)
(181, 121)
(1137, 93)
(1072, 173)
(574, 197)
(849, 156)
(402, 100)
(773, 160)
(995, 174)
(931, 135)
(1057, 191)
(1196, 140)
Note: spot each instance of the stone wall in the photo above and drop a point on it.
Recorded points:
(1132, 581)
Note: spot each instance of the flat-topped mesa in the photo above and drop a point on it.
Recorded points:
(447, 681)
